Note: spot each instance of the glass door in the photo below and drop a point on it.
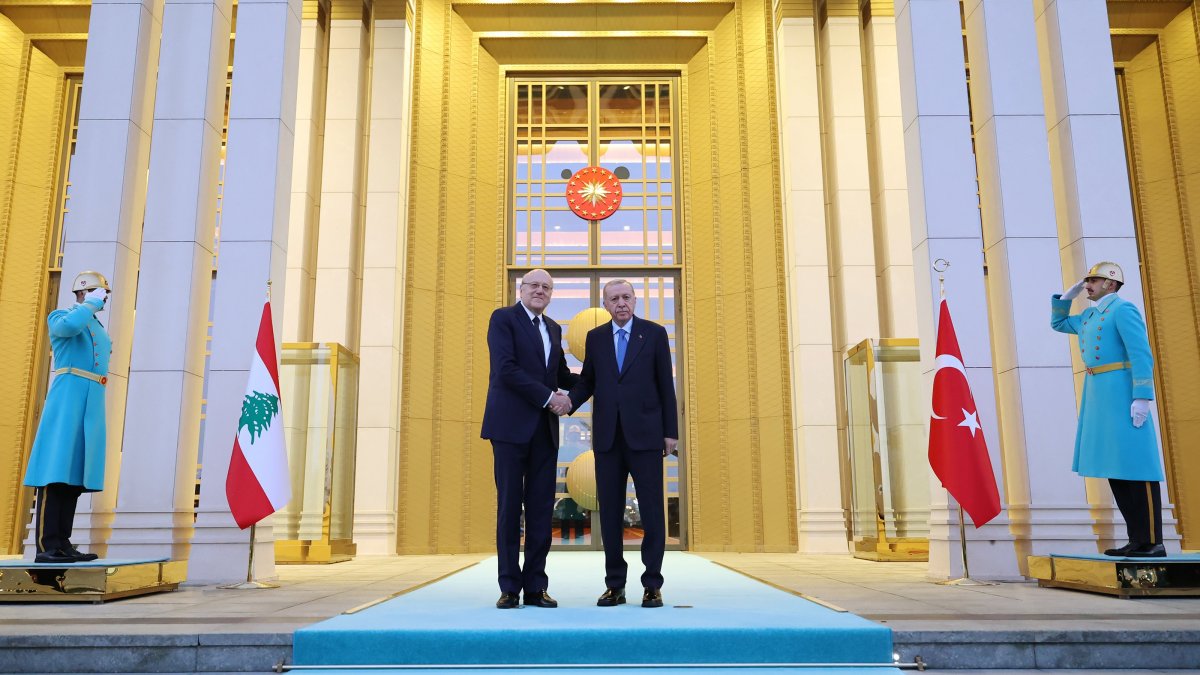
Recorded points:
(561, 130)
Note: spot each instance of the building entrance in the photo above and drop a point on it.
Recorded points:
(560, 126)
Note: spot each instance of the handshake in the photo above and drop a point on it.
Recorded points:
(560, 403)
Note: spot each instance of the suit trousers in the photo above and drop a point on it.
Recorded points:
(1140, 503)
(525, 475)
(613, 469)
(55, 516)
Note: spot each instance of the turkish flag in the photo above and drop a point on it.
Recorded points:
(957, 451)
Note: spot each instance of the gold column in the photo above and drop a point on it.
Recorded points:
(31, 111)
(1160, 85)
(455, 278)
(740, 460)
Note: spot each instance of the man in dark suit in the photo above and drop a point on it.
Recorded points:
(634, 426)
(523, 401)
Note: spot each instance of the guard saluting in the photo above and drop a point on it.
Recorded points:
(1120, 378)
(68, 452)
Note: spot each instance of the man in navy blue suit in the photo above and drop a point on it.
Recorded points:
(523, 401)
(634, 426)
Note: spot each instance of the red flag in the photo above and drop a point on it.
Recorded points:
(957, 451)
(257, 484)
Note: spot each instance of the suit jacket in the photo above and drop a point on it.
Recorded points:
(70, 443)
(643, 393)
(520, 380)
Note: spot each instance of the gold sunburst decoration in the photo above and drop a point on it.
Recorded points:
(594, 193)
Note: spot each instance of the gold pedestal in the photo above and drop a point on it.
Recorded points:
(1123, 577)
(26, 581)
(894, 550)
(302, 552)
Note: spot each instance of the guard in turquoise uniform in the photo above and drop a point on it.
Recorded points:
(1110, 442)
(68, 452)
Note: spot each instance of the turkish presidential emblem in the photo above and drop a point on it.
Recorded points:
(594, 193)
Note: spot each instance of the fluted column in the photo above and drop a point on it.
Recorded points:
(254, 223)
(889, 188)
(945, 222)
(383, 283)
(103, 230)
(820, 520)
(1048, 509)
(340, 241)
(305, 213)
(166, 374)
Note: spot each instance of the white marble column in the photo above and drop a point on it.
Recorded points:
(848, 187)
(340, 240)
(945, 222)
(258, 178)
(889, 187)
(103, 230)
(1090, 177)
(297, 307)
(383, 284)
(166, 372)
(820, 520)
(1048, 509)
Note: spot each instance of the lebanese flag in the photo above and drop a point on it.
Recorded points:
(957, 451)
(258, 483)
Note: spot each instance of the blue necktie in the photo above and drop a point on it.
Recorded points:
(622, 343)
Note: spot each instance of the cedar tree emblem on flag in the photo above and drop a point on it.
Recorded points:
(258, 484)
(957, 451)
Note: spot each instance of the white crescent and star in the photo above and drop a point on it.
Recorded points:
(970, 419)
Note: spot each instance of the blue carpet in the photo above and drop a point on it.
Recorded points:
(712, 616)
(700, 670)
(102, 562)
(762, 670)
(1186, 557)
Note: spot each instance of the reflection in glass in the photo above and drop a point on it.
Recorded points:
(889, 485)
(319, 387)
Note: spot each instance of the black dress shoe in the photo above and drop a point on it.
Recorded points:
(1121, 551)
(1148, 551)
(57, 556)
(540, 599)
(611, 598)
(508, 601)
(80, 556)
(652, 598)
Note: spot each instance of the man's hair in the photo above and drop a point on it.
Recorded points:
(616, 282)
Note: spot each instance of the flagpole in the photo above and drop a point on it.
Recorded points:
(940, 266)
(251, 582)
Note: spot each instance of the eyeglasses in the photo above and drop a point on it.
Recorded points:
(536, 285)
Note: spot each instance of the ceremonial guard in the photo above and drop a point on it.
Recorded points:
(1115, 438)
(68, 452)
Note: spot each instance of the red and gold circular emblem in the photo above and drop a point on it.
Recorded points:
(594, 193)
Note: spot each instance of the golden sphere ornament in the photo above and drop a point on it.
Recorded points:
(578, 327)
(581, 481)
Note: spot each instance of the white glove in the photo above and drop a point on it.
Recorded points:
(1139, 411)
(96, 294)
(1073, 291)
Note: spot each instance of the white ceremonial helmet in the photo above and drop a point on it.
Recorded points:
(1106, 270)
(86, 281)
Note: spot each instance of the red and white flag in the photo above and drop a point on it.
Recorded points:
(957, 451)
(258, 483)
